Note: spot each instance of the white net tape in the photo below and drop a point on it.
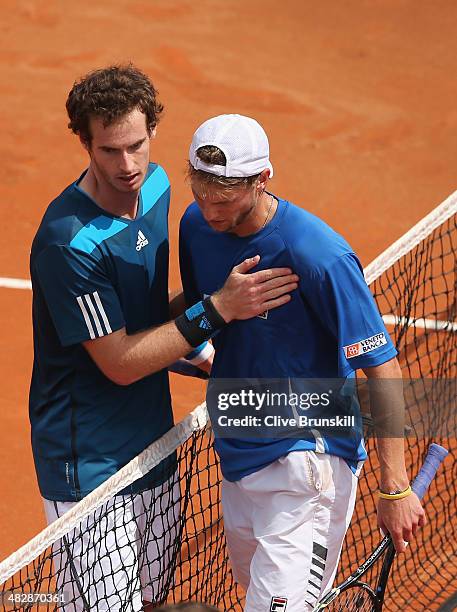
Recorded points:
(411, 239)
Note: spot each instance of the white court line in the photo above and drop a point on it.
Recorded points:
(22, 283)
(434, 324)
(15, 283)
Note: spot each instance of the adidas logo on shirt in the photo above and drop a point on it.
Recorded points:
(141, 241)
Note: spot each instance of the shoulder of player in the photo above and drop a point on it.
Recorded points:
(73, 221)
(61, 220)
(155, 192)
(69, 217)
(192, 218)
(57, 260)
(156, 178)
(310, 240)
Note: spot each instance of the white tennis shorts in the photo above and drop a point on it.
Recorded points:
(121, 555)
(285, 526)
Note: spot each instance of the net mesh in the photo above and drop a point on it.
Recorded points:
(162, 545)
(414, 284)
(113, 552)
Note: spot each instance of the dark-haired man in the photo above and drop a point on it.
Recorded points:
(103, 340)
(287, 500)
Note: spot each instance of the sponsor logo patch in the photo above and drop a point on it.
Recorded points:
(365, 346)
(278, 604)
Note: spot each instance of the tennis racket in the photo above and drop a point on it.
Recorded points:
(356, 595)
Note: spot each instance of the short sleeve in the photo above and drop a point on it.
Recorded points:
(80, 297)
(341, 299)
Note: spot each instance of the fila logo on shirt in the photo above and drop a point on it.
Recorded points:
(278, 604)
(141, 241)
(365, 346)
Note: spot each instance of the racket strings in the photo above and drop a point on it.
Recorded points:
(358, 598)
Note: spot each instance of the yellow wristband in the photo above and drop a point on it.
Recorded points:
(392, 496)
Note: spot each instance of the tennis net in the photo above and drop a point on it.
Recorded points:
(169, 544)
(114, 551)
(414, 283)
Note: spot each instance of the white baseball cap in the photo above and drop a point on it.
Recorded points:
(242, 140)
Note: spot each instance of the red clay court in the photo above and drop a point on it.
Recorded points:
(358, 99)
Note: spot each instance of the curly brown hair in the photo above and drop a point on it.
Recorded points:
(213, 155)
(110, 93)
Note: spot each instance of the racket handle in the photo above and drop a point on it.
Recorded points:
(433, 460)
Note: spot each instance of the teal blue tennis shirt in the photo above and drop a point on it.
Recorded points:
(94, 273)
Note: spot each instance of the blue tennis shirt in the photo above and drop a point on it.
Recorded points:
(92, 274)
(329, 329)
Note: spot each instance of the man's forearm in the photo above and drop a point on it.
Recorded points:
(124, 358)
(399, 517)
(391, 455)
(388, 413)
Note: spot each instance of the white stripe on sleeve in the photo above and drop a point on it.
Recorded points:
(86, 317)
(102, 312)
(94, 315)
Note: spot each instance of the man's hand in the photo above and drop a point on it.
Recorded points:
(401, 518)
(245, 295)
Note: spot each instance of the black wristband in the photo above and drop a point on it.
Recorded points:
(199, 322)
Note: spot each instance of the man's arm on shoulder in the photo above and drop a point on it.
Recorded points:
(127, 358)
(400, 517)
